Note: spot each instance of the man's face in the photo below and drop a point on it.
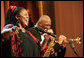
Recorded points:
(24, 18)
(46, 24)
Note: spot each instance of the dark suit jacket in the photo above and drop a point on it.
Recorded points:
(59, 50)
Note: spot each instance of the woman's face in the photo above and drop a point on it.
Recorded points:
(23, 18)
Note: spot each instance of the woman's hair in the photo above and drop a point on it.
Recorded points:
(10, 17)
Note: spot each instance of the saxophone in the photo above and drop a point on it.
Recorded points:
(47, 52)
(51, 44)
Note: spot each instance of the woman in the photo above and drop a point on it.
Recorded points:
(16, 40)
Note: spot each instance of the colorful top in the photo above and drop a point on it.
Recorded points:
(21, 44)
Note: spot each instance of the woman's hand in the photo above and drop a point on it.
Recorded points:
(7, 31)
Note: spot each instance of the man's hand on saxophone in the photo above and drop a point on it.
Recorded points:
(61, 39)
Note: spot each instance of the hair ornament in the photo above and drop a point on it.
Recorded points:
(12, 8)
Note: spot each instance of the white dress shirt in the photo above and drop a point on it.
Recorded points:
(42, 37)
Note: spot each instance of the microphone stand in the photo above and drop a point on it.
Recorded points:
(73, 47)
(44, 31)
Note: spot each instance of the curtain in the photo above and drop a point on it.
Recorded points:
(66, 16)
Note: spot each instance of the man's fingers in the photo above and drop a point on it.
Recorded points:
(62, 37)
(52, 51)
(50, 31)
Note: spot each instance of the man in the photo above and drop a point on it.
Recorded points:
(45, 22)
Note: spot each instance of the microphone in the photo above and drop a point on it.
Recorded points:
(73, 47)
(44, 31)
